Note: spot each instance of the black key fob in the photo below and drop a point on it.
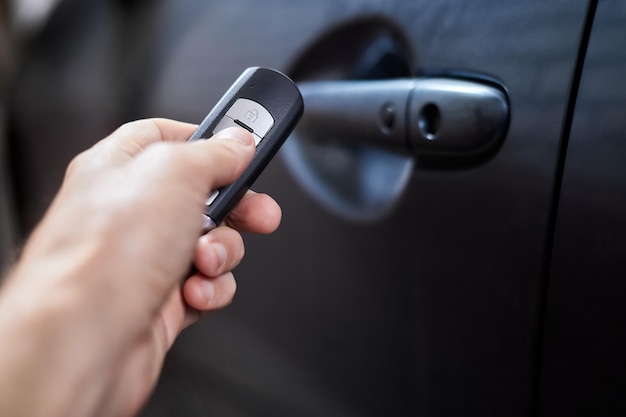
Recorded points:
(264, 102)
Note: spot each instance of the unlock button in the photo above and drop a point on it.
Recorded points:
(253, 115)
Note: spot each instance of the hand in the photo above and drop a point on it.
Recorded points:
(99, 294)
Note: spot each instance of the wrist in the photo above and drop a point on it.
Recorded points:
(30, 377)
(50, 351)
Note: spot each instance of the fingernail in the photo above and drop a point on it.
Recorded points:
(222, 254)
(209, 290)
(236, 133)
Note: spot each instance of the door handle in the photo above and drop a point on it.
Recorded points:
(429, 117)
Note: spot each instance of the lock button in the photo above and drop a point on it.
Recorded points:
(251, 115)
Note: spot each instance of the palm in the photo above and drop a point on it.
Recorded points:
(139, 371)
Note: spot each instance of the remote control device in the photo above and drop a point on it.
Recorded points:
(267, 104)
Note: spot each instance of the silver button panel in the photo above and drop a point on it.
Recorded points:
(249, 113)
(252, 115)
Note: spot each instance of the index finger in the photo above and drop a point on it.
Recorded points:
(133, 137)
(128, 141)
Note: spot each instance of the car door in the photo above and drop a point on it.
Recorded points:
(583, 365)
(433, 308)
(395, 286)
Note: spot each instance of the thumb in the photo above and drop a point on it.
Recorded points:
(223, 158)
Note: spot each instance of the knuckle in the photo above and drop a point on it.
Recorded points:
(163, 154)
(77, 163)
(139, 128)
(127, 128)
(135, 125)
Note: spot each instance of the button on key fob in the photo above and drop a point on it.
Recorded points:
(267, 104)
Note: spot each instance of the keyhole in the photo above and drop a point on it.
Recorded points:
(429, 121)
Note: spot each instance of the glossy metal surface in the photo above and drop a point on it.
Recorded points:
(466, 117)
(450, 117)
(353, 112)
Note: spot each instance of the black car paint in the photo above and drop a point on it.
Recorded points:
(436, 309)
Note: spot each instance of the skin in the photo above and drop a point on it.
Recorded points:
(103, 286)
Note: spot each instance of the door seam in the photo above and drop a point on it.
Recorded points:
(568, 118)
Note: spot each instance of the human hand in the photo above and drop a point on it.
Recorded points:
(98, 295)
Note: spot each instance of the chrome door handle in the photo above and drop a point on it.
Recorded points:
(425, 116)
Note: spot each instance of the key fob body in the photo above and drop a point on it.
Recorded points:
(266, 103)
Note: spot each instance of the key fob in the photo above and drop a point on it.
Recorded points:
(267, 104)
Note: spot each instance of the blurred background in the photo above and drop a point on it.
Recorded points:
(396, 285)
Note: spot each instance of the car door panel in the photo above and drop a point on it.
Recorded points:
(584, 339)
(433, 309)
